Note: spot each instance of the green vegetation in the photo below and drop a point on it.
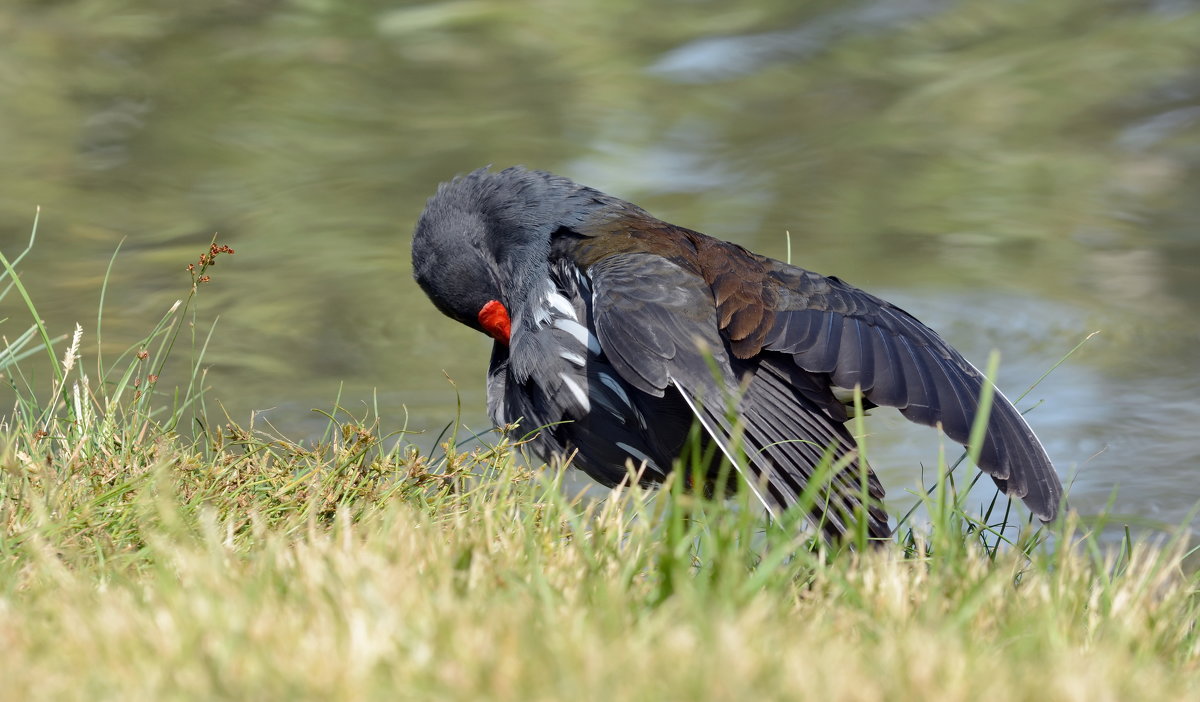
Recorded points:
(140, 560)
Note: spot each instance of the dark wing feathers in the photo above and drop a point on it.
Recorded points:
(795, 435)
(652, 332)
(746, 310)
(889, 389)
(831, 327)
(667, 334)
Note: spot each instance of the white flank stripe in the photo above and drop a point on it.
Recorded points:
(638, 455)
(612, 384)
(541, 317)
(580, 396)
(581, 334)
(575, 358)
(562, 304)
(626, 409)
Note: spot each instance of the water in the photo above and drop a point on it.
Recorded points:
(1018, 175)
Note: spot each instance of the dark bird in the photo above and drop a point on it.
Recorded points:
(615, 332)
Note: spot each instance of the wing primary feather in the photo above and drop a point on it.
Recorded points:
(921, 393)
(856, 358)
(889, 387)
(824, 353)
(723, 444)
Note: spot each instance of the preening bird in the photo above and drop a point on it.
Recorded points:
(616, 331)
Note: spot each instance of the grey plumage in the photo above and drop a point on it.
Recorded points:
(626, 329)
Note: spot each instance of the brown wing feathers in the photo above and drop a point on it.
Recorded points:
(658, 335)
(833, 328)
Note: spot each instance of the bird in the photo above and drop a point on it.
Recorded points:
(615, 332)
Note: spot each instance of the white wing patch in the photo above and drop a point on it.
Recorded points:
(554, 306)
(581, 334)
(638, 455)
(572, 357)
(612, 384)
(572, 341)
(580, 396)
(562, 304)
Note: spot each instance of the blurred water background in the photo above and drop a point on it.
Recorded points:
(1017, 174)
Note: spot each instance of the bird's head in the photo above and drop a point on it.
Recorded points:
(481, 246)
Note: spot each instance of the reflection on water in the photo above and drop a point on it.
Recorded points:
(1017, 175)
(723, 57)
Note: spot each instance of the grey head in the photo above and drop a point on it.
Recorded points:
(486, 236)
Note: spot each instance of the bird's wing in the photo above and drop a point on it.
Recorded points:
(830, 327)
(658, 327)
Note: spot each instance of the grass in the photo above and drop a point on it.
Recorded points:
(141, 561)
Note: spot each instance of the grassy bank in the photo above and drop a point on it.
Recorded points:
(148, 555)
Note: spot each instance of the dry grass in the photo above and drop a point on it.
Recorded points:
(506, 592)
